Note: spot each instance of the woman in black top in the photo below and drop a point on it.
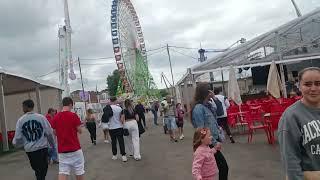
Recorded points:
(140, 110)
(91, 125)
(130, 117)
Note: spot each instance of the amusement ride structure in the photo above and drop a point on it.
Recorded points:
(66, 69)
(130, 50)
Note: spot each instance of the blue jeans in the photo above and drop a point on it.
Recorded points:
(52, 152)
(170, 122)
(155, 117)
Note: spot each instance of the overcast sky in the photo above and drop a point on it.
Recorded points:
(29, 42)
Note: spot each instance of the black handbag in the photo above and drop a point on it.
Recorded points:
(140, 127)
(125, 132)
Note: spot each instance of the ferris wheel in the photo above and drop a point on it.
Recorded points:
(129, 48)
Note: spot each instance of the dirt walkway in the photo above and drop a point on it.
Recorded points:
(161, 160)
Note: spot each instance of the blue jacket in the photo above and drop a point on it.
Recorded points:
(203, 116)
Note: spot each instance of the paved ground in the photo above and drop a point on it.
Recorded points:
(161, 160)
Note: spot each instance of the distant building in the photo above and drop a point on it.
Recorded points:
(94, 96)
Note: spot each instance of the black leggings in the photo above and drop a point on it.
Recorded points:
(143, 118)
(117, 134)
(222, 165)
(39, 162)
(92, 128)
(223, 122)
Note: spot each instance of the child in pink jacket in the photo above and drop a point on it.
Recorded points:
(204, 166)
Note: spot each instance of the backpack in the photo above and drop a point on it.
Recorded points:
(218, 103)
(107, 114)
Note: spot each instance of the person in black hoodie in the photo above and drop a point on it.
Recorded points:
(140, 110)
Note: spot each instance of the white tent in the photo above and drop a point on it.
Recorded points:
(15, 88)
(295, 41)
(233, 87)
(274, 82)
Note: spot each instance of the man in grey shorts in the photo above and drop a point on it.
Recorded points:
(169, 111)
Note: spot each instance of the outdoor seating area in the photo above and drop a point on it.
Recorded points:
(263, 114)
(10, 136)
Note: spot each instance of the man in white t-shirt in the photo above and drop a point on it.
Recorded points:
(223, 119)
(116, 130)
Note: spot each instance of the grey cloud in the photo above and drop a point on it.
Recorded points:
(28, 34)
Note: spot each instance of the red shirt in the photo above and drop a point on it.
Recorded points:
(66, 123)
(49, 118)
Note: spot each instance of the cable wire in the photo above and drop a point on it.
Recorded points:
(180, 47)
(156, 49)
(184, 54)
(51, 72)
(155, 52)
(100, 63)
(92, 59)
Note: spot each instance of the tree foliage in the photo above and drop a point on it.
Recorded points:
(112, 82)
(163, 93)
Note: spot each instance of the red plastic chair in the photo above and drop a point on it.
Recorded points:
(233, 109)
(244, 107)
(254, 123)
(232, 119)
(10, 136)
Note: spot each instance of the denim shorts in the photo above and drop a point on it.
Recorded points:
(170, 123)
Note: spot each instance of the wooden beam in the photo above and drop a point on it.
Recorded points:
(3, 120)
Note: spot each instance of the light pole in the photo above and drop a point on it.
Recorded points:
(173, 88)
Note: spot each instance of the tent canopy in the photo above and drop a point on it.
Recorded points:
(294, 41)
(14, 83)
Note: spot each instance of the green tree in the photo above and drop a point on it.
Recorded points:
(163, 92)
(112, 82)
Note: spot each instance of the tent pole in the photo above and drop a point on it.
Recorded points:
(3, 117)
(283, 81)
(186, 93)
(222, 82)
(38, 99)
(60, 99)
(193, 80)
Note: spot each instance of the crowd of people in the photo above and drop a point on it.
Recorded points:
(298, 132)
(54, 137)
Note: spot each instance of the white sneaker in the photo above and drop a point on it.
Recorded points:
(124, 158)
(114, 157)
(181, 137)
(137, 158)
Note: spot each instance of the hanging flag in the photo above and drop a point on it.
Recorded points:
(233, 87)
(274, 82)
